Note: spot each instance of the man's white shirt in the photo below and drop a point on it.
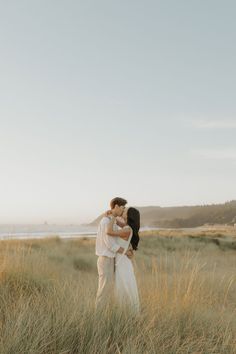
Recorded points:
(106, 245)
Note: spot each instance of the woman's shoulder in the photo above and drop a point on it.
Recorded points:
(127, 227)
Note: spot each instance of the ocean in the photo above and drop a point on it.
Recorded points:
(25, 231)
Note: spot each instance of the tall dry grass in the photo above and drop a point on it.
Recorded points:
(48, 287)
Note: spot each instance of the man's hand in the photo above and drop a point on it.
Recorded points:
(129, 253)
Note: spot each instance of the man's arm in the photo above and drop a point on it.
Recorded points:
(121, 233)
(110, 241)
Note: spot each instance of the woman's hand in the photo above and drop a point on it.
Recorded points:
(108, 213)
(120, 221)
(129, 253)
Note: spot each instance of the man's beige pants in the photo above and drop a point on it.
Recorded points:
(106, 268)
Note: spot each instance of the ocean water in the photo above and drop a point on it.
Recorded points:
(25, 231)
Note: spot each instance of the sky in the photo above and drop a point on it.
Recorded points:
(115, 98)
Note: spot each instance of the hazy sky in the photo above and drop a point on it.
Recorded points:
(105, 98)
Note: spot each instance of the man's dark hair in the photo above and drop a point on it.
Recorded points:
(118, 201)
(133, 220)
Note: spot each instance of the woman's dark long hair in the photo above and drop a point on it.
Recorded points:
(133, 220)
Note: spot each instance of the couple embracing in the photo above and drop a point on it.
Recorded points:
(117, 239)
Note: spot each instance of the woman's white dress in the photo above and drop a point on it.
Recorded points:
(126, 290)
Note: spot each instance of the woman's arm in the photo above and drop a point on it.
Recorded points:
(120, 233)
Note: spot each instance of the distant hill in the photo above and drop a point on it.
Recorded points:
(186, 216)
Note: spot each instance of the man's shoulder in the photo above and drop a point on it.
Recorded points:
(104, 220)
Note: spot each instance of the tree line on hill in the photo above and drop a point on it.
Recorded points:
(186, 216)
(196, 216)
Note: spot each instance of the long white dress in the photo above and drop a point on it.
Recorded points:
(126, 290)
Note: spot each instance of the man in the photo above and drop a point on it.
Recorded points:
(106, 249)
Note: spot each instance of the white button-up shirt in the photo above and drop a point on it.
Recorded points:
(106, 245)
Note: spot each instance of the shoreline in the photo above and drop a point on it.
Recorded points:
(48, 236)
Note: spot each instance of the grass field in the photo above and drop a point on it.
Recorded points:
(187, 290)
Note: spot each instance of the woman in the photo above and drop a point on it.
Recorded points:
(125, 283)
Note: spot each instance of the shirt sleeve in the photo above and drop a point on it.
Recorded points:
(109, 241)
